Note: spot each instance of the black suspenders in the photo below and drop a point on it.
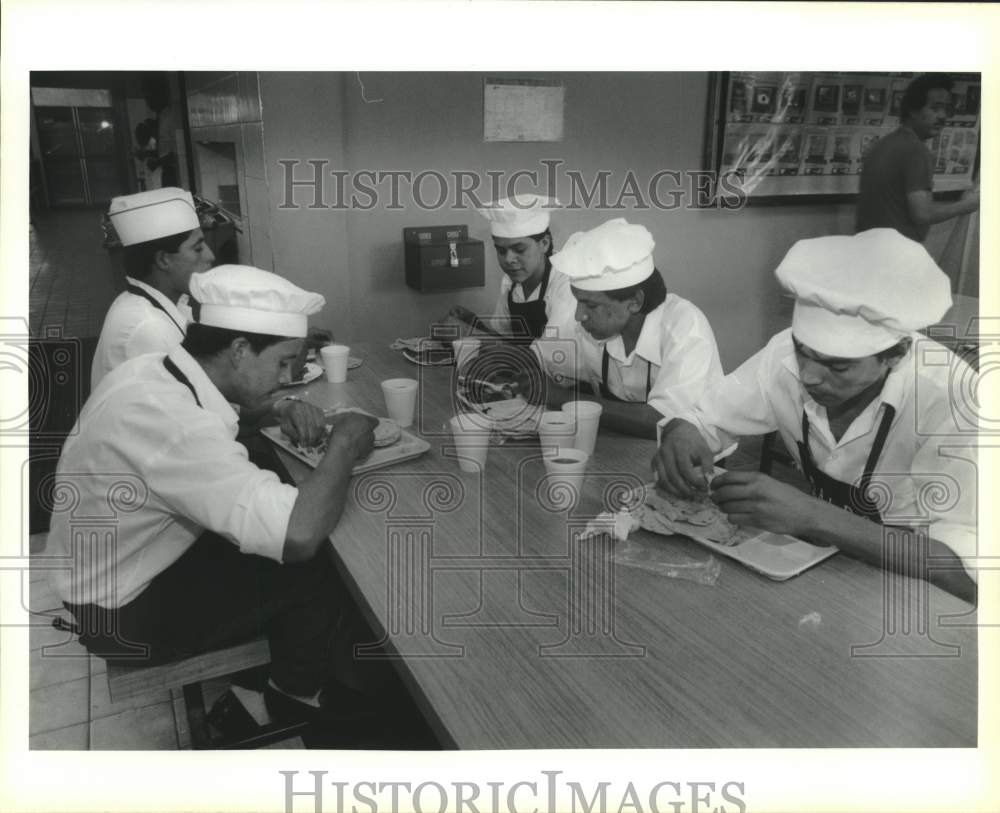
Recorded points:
(135, 289)
(606, 390)
(175, 371)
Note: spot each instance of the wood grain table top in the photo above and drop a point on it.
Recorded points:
(514, 633)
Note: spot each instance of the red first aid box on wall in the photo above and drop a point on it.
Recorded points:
(443, 258)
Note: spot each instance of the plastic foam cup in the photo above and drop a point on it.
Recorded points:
(587, 415)
(556, 429)
(565, 468)
(471, 433)
(334, 358)
(400, 399)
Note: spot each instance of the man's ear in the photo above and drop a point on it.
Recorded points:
(239, 349)
(160, 260)
(636, 301)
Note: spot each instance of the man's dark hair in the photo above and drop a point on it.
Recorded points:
(899, 349)
(653, 288)
(205, 341)
(139, 258)
(539, 237)
(915, 95)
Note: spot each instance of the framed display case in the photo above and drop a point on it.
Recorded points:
(798, 134)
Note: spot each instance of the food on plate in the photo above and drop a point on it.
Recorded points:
(665, 513)
(387, 432)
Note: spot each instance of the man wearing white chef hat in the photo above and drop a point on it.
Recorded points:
(213, 549)
(163, 246)
(645, 353)
(862, 413)
(532, 295)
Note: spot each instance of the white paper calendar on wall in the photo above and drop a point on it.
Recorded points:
(522, 110)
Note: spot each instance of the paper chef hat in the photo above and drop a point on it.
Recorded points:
(153, 214)
(241, 297)
(858, 295)
(614, 255)
(520, 216)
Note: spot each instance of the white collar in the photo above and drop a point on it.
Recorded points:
(893, 392)
(209, 395)
(160, 297)
(648, 344)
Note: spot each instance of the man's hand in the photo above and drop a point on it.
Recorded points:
(752, 498)
(683, 464)
(462, 314)
(302, 422)
(353, 432)
(971, 197)
(316, 338)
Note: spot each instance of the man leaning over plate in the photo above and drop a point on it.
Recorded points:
(206, 549)
(870, 410)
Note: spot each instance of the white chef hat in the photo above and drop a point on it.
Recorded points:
(857, 295)
(520, 216)
(241, 297)
(614, 255)
(150, 215)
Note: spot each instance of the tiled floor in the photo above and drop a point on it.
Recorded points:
(71, 287)
(71, 278)
(70, 707)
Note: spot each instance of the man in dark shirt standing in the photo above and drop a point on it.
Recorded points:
(898, 173)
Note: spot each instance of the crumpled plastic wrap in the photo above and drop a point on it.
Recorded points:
(655, 555)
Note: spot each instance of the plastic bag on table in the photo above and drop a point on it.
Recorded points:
(655, 555)
(661, 557)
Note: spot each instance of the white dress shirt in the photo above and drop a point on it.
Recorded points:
(927, 470)
(142, 430)
(676, 348)
(133, 326)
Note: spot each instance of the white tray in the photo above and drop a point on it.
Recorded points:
(406, 448)
(776, 556)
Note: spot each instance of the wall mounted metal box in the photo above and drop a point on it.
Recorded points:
(443, 258)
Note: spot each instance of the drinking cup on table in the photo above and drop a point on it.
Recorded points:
(565, 468)
(556, 428)
(587, 415)
(471, 433)
(465, 350)
(334, 358)
(400, 399)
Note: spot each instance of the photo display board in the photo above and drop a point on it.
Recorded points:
(806, 133)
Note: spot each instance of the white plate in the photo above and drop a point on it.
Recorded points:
(406, 448)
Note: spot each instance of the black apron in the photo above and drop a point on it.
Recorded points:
(530, 314)
(846, 495)
(606, 390)
(135, 289)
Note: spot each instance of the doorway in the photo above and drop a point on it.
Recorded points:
(78, 143)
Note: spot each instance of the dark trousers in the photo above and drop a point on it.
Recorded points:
(215, 596)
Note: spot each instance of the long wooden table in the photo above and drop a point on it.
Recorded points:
(512, 633)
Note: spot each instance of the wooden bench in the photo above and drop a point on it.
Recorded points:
(127, 681)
